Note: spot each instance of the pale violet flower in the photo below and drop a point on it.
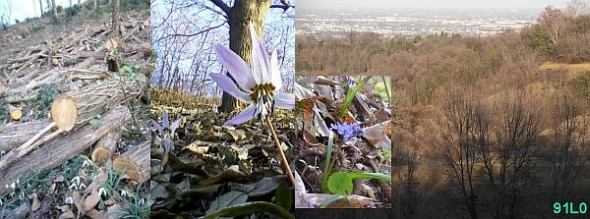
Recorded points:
(258, 85)
(166, 129)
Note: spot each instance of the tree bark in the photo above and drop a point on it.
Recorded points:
(41, 7)
(239, 16)
(115, 31)
(54, 8)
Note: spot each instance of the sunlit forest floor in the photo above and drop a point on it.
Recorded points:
(210, 166)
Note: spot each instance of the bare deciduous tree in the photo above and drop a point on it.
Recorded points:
(508, 161)
(467, 126)
(410, 195)
(568, 143)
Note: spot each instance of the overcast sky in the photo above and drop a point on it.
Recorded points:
(22, 9)
(533, 4)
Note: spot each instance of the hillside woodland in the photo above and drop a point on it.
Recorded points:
(484, 127)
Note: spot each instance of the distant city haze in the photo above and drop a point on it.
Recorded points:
(443, 4)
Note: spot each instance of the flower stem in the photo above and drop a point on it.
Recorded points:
(283, 157)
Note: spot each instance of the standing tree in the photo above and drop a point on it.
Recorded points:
(467, 127)
(508, 162)
(41, 8)
(577, 8)
(568, 143)
(115, 29)
(54, 9)
(238, 17)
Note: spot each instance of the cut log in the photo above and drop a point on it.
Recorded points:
(91, 101)
(59, 150)
(141, 155)
(13, 135)
(15, 113)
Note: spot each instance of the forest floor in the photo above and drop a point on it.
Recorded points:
(71, 73)
(212, 165)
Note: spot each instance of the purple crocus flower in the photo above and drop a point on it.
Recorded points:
(258, 85)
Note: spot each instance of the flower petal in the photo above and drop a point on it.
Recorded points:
(260, 65)
(275, 72)
(227, 85)
(236, 66)
(285, 100)
(175, 125)
(165, 122)
(158, 127)
(244, 116)
(167, 144)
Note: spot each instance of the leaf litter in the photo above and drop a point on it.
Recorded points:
(353, 123)
(211, 169)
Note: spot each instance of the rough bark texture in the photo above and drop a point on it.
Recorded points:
(41, 8)
(239, 17)
(19, 133)
(54, 8)
(115, 28)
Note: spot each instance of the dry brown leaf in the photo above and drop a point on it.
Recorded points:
(381, 116)
(96, 214)
(376, 136)
(225, 176)
(198, 147)
(67, 215)
(91, 200)
(91, 196)
(309, 138)
(77, 198)
(36, 203)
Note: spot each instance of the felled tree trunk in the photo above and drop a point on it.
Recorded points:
(54, 152)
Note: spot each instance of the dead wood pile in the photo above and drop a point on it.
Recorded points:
(75, 61)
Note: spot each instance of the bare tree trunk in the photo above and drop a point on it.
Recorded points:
(95, 5)
(239, 17)
(41, 8)
(54, 9)
(467, 125)
(115, 28)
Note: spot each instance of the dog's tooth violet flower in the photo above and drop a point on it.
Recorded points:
(258, 85)
(166, 129)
